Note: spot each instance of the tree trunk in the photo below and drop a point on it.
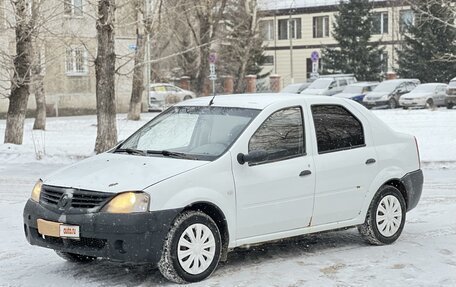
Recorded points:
(134, 113)
(40, 99)
(21, 78)
(105, 77)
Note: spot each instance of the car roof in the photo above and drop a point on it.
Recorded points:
(161, 84)
(363, 84)
(256, 101)
(433, 84)
(402, 80)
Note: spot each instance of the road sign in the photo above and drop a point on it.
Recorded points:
(314, 56)
(212, 58)
(212, 68)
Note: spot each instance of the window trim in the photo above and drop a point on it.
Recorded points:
(382, 26)
(73, 72)
(339, 149)
(73, 8)
(296, 27)
(324, 28)
(304, 153)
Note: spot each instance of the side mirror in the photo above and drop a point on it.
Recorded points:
(254, 156)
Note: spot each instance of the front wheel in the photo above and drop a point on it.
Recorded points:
(385, 218)
(430, 104)
(392, 104)
(192, 249)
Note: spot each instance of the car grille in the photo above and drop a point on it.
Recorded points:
(79, 198)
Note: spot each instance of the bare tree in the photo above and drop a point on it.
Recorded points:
(20, 89)
(105, 77)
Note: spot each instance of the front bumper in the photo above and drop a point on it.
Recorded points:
(133, 238)
(375, 103)
(413, 103)
(451, 100)
(413, 183)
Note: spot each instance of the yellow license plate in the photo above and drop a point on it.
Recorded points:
(57, 229)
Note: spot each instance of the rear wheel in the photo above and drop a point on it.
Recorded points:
(430, 104)
(449, 106)
(385, 218)
(76, 258)
(187, 97)
(192, 248)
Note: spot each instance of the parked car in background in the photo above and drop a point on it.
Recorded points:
(202, 179)
(357, 91)
(425, 96)
(328, 85)
(387, 93)
(295, 88)
(451, 94)
(162, 96)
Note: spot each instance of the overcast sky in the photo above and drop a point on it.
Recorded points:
(283, 4)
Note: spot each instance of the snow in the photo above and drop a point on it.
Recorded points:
(424, 255)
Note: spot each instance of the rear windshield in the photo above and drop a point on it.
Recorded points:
(353, 89)
(452, 84)
(321, 84)
(387, 86)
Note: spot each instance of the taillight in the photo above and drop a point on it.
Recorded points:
(418, 152)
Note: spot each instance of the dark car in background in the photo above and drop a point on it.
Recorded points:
(451, 94)
(387, 93)
(295, 88)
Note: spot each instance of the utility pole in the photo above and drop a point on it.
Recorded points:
(291, 29)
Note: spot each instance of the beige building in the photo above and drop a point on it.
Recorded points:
(68, 44)
(289, 47)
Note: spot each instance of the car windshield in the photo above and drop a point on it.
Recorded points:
(386, 86)
(353, 89)
(423, 88)
(190, 132)
(452, 84)
(321, 84)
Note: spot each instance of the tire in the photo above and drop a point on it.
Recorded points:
(392, 104)
(75, 258)
(188, 97)
(374, 230)
(449, 106)
(429, 104)
(182, 236)
(405, 108)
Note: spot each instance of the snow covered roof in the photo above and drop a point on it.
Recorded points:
(287, 4)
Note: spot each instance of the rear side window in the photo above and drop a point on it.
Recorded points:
(336, 128)
(281, 135)
(342, 83)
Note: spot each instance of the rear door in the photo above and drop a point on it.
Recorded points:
(345, 162)
(275, 194)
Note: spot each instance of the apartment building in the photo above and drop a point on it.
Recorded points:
(68, 46)
(292, 33)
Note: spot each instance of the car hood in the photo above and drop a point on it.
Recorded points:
(347, 95)
(377, 94)
(416, 95)
(313, 91)
(109, 172)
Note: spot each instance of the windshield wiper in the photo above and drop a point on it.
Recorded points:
(170, 154)
(131, 151)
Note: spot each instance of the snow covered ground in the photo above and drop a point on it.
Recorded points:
(425, 254)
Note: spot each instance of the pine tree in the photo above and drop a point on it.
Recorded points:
(429, 48)
(355, 53)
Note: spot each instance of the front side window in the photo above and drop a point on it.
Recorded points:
(289, 28)
(72, 7)
(194, 132)
(380, 23)
(281, 136)
(336, 128)
(321, 27)
(76, 61)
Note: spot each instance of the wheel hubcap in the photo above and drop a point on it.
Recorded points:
(389, 216)
(196, 249)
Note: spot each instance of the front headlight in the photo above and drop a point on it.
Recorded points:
(385, 97)
(36, 191)
(128, 202)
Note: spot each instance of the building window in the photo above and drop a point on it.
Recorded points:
(76, 61)
(380, 23)
(321, 27)
(407, 19)
(290, 27)
(267, 30)
(268, 60)
(72, 7)
(384, 60)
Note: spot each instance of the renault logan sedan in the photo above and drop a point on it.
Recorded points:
(201, 179)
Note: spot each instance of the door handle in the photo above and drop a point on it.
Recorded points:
(370, 161)
(305, 172)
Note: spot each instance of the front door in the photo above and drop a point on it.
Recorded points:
(276, 193)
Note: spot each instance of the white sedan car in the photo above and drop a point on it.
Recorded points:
(425, 96)
(205, 177)
(162, 96)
